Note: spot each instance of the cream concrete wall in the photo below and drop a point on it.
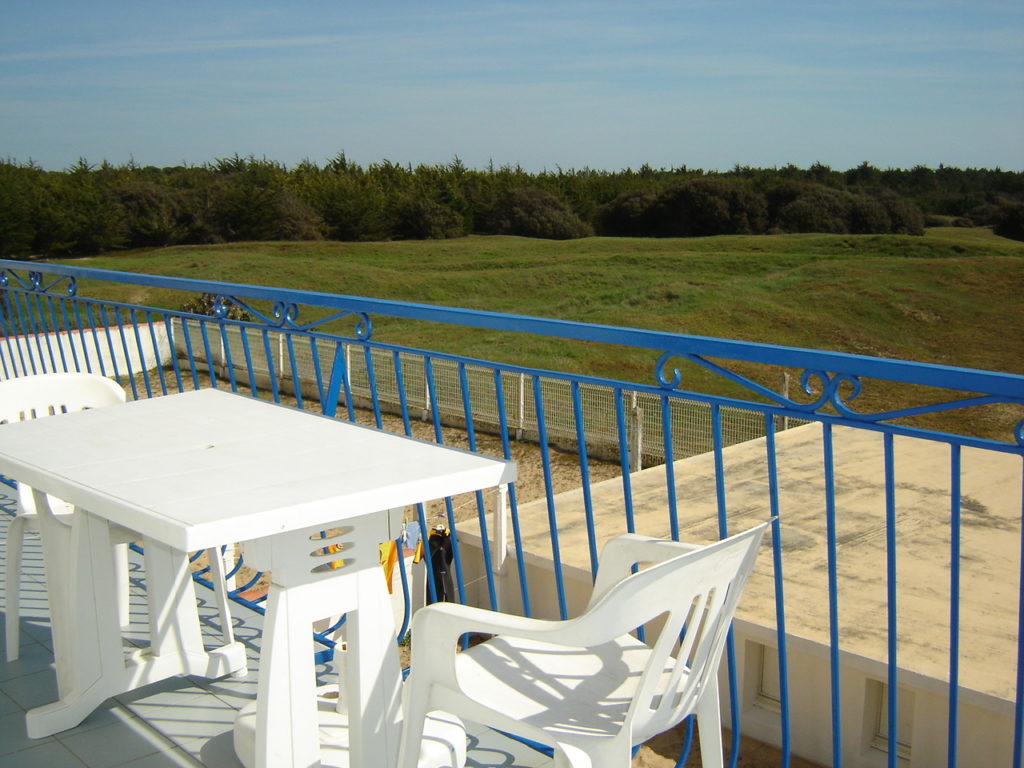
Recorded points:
(31, 354)
(985, 731)
(990, 549)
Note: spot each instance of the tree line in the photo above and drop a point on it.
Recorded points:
(94, 208)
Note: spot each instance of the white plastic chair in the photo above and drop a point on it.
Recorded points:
(32, 397)
(587, 686)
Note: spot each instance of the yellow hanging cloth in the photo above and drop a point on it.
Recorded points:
(388, 559)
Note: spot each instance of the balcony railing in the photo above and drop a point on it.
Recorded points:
(883, 625)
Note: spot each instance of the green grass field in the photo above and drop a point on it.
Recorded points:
(954, 296)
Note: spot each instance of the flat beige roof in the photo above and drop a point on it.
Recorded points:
(990, 542)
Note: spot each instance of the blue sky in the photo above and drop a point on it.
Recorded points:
(541, 84)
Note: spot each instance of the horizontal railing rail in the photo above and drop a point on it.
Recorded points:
(874, 513)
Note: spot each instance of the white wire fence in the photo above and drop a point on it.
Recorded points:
(303, 364)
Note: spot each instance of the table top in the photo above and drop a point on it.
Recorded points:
(204, 468)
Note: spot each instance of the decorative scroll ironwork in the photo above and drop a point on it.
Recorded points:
(837, 390)
(34, 282)
(285, 315)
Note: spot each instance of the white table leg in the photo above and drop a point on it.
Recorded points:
(372, 675)
(86, 627)
(85, 617)
(286, 717)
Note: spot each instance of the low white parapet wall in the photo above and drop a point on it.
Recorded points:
(118, 350)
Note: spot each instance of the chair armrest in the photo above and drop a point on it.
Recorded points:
(622, 552)
(444, 623)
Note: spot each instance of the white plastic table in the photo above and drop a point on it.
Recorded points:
(201, 469)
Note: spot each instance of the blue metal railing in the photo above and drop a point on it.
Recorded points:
(46, 324)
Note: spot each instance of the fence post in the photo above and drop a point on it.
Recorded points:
(521, 421)
(636, 460)
(784, 391)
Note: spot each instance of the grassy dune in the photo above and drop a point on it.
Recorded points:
(954, 296)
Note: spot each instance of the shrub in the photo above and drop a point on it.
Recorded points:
(628, 215)
(1011, 222)
(533, 212)
(17, 202)
(868, 216)
(350, 208)
(153, 214)
(707, 206)
(206, 304)
(905, 218)
(816, 209)
(242, 210)
(421, 219)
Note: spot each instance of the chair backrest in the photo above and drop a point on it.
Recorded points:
(696, 594)
(48, 394)
(32, 397)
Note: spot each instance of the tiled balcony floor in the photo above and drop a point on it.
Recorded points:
(178, 722)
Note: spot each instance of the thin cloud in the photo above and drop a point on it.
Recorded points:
(127, 50)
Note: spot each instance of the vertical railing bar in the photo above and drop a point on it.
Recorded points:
(668, 447)
(403, 402)
(7, 324)
(210, 365)
(581, 451)
(890, 573)
(718, 444)
(186, 333)
(329, 402)
(421, 514)
(449, 508)
(296, 381)
(119, 324)
(229, 360)
(833, 591)
(421, 511)
(48, 335)
(627, 485)
(82, 334)
(371, 379)
(142, 355)
(542, 440)
(158, 358)
(129, 371)
(77, 332)
(780, 600)
(271, 367)
(57, 333)
(428, 373)
(173, 346)
(954, 604)
(19, 299)
(243, 335)
(110, 342)
(32, 309)
(467, 410)
(314, 354)
(506, 449)
(6, 336)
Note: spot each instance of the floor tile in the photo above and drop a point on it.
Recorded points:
(45, 755)
(172, 758)
(8, 705)
(14, 738)
(34, 690)
(32, 658)
(115, 743)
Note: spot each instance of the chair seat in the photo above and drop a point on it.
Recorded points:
(542, 684)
